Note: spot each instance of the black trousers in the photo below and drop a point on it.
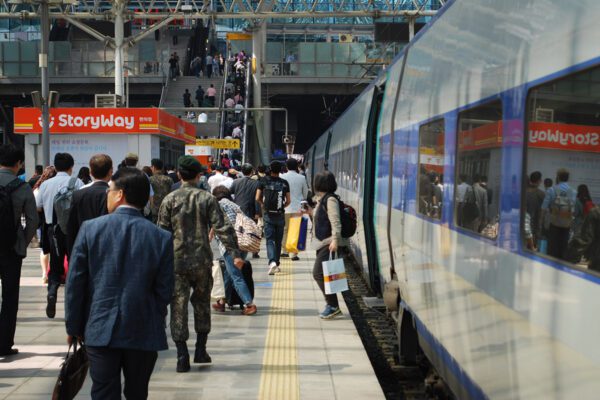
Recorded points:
(105, 369)
(60, 250)
(10, 274)
(558, 241)
(323, 255)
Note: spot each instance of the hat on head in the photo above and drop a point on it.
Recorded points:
(132, 156)
(189, 163)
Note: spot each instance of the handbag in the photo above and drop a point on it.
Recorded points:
(334, 274)
(73, 372)
(296, 237)
(248, 234)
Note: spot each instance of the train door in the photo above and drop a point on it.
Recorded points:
(369, 175)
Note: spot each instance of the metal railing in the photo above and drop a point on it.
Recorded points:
(87, 69)
(323, 69)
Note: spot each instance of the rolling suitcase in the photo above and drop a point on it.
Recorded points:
(232, 297)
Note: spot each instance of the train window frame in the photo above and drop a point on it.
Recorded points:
(528, 119)
(441, 121)
(457, 173)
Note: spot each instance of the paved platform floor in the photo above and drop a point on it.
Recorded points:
(283, 352)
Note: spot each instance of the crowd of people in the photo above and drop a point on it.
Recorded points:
(137, 241)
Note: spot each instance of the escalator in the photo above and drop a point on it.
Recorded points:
(60, 31)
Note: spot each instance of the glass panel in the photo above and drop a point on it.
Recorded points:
(29, 69)
(307, 70)
(478, 168)
(358, 52)
(274, 52)
(323, 69)
(29, 51)
(431, 169)
(306, 52)
(11, 69)
(323, 52)
(340, 70)
(341, 52)
(10, 51)
(562, 159)
(62, 51)
(96, 69)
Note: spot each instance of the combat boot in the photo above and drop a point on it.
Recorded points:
(183, 357)
(200, 355)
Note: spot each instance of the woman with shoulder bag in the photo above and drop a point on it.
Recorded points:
(327, 229)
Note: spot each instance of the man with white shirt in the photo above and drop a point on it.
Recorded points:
(219, 179)
(298, 193)
(63, 162)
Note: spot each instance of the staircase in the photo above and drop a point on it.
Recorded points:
(173, 97)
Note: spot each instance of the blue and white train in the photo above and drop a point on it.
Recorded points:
(494, 89)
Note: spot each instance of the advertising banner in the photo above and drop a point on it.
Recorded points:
(544, 135)
(140, 121)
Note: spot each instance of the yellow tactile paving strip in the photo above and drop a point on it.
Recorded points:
(279, 378)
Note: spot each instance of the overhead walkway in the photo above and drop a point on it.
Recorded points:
(283, 352)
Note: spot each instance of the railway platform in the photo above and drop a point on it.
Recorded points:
(283, 352)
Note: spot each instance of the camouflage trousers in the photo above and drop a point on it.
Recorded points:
(199, 281)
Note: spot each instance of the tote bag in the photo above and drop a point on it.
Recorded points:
(334, 274)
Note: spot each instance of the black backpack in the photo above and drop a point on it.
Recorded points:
(273, 197)
(347, 215)
(8, 233)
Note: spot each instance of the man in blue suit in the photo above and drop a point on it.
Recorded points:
(119, 284)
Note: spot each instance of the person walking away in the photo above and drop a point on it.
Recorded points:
(534, 197)
(559, 204)
(211, 93)
(199, 95)
(63, 162)
(583, 205)
(232, 273)
(84, 176)
(209, 66)
(189, 213)
(187, 98)
(120, 282)
(215, 67)
(244, 192)
(298, 192)
(45, 246)
(16, 200)
(161, 185)
(482, 205)
(195, 66)
(328, 236)
(219, 178)
(173, 67)
(273, 195)
(90, 202)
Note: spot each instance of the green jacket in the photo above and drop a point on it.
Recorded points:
(189, 213)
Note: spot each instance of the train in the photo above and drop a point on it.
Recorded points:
(486, 94)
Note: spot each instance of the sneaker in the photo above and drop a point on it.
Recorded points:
(51, 307)
(284, 255)
(218, 306)
(330, 312)
(255, 255)
(250, 309)
(295, 258)
(201, 357)
(14, 352)
(273, 268)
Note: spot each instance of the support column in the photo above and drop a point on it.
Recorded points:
(43, 62)
(411, 28)
(262, 119)
(118, 8)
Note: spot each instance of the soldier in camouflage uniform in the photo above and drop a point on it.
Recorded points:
(189, 213)
(161, 185)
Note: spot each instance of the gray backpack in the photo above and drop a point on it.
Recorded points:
(62, 204)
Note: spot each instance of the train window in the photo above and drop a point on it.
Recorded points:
(431, 169)
(478, 165)
(561, 182)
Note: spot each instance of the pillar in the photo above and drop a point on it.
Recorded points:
(119, 7)
(262, 119)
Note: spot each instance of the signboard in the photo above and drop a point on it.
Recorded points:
(568, 137)
(82, 148)
(238, 36)
(141, 121)
(198, 150)
(219, 143)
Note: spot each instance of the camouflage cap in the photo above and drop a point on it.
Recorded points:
(189, 163)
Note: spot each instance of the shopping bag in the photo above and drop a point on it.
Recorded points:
(303, 233)
(291, 244)
(334, 274)
(72, 373)
(218, 289)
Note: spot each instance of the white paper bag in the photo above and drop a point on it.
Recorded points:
(334, 274)
(218, 289)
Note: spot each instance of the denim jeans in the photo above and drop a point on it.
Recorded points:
(274, 233)
(234, 276)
